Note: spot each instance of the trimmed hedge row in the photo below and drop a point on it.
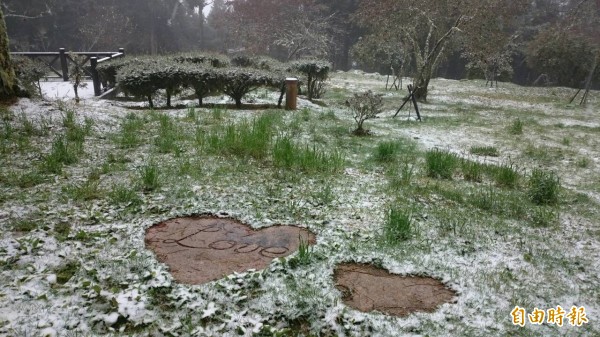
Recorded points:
(207, 74)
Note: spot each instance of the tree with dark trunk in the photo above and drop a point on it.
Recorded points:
(7, 72)
(426, 27)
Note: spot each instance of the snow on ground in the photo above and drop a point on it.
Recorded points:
(55, 90)
(118, 286)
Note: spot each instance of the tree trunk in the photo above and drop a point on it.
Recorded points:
(7, 72)
(238, 103)
(588, 81)
(421, 85)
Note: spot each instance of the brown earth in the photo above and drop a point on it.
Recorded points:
(368, 288)
(201, 249)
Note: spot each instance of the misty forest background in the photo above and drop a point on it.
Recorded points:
(541, 42)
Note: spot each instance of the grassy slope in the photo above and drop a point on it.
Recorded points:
(79, 212)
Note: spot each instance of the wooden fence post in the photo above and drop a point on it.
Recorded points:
(122, 51)
(95, 77)
(291, 93)
(63, 64)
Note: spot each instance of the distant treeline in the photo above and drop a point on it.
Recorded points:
(543, 42)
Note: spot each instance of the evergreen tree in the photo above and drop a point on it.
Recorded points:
(7, 72)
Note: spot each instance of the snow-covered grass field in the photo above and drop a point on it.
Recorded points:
(80, 184)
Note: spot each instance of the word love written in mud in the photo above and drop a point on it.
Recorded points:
(244, 246)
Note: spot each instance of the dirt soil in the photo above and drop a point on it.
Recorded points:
(205, 248)
(368, 288)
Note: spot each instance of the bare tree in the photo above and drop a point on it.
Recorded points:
(310, 36)
(426, 27)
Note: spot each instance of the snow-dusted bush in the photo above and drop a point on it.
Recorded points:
(257, 62)
(237, 82)
(30, 72)
(145, 76)
(204, 80)
(206, 59)
(364, 106)
(138, 79)
(315, 74)
(108, 70)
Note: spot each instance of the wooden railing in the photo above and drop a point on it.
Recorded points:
(64, 58)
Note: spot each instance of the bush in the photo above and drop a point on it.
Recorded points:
(108, 70)
(203, 80)
(257, 62)
(237, 82)
(364, 106)
(30, 72)
(315, 72)
(207, 60)
(137, 79)
(145, 76)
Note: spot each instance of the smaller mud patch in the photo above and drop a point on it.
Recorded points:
(205, 248)
(368, 288)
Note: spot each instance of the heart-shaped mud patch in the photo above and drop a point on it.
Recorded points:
(368, 288)
(201, 249)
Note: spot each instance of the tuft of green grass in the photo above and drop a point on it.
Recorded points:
(27, 126)
(543, 216)
(65, 272)
(24, 225)
(506, 175)
(397, 226)
(218, 113)
(582, 162)
(25, 180)
(486, 199)
(386, 152)
(62, 231)
(62, 153)
(440, 164)
(128, 136)
(74, 132)
(88, 190)
(191, 114)
(150, 177)
(489, 151)
(543, 154)
(168, 136)
(121, 194)
(324, 196)
(400, 176)
(288, 155)
(304, 255)
(246, 139)
(329, 115)
(516, 128)
(471, 170)
(544, 187)
(114, 162)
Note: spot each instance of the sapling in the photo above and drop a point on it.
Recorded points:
(77, 75)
